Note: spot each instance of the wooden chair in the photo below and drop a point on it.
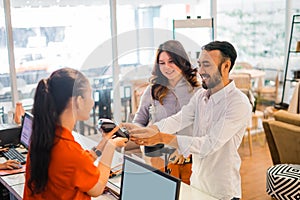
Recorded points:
(269, 93)
(254, 126)
(243, 82)
(283, 137)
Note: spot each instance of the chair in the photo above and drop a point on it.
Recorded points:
(269, 93)
(283, 137)
(254, 126)
(243, 82)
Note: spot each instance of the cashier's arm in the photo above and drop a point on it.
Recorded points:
(107, 146)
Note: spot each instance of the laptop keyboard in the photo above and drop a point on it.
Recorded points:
(13, 154)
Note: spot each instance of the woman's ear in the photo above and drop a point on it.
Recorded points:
(79, 102)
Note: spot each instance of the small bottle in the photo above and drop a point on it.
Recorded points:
(19, 112)
(10, 117)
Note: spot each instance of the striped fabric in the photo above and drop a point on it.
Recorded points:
(283, 182)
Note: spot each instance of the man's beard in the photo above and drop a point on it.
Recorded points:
(204, 85)
(216, 79)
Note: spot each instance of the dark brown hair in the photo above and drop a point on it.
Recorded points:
(226, 49)
(180, 58)
(50, 100)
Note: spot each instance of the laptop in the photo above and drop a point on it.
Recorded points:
(142, 181)
(26, 130)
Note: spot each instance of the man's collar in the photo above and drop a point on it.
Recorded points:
(222, 94)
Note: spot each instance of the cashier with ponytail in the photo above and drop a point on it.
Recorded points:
(57, 166)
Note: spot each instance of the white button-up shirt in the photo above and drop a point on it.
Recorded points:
(219, 125)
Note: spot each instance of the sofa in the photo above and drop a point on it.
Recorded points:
(283, 137)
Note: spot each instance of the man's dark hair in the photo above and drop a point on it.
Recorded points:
(226, 49)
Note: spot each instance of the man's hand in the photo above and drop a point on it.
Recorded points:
(143, 135)
(129, 126)
(144, 132)
(150, 135)
(176, 158)
(147, 137)
(140, 132)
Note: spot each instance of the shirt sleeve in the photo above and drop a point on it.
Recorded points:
(142, 115)
(232, 123)
(86, 173)
(184, 118)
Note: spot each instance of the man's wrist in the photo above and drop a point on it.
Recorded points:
(155, 128)
(166, 138)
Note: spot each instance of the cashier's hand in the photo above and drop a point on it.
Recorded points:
(119, 141)
(10, 164)
(109, 135)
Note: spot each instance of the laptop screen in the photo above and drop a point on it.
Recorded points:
(26, 130)
(141, 181)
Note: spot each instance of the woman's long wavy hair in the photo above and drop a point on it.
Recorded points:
(50, 100)
(180, 58)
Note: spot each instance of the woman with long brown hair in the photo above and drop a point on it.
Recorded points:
(173, 83)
